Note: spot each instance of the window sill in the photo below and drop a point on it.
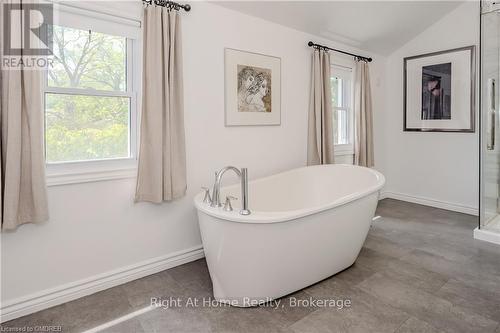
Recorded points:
(86, 172)
(89, 176)
(343, 153)
(340, 150)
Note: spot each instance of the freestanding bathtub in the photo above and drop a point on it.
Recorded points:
(306, 225)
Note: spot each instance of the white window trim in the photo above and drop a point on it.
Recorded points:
(74, 172)
(346, 149)
(85, 172)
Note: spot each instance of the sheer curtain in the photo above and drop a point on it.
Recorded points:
(23, 195)
(320, 129)
(363, 115)
(162, 157)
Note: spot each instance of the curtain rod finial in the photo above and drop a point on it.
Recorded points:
(187, 7)
(310, 43)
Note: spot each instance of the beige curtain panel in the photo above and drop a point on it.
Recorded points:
(320, 129)
(363, 115)
(162, 156)
(23, 193)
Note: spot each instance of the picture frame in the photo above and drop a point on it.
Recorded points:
(439, 91)
(252, 84)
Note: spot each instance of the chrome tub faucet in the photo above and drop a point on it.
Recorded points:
(243, 175)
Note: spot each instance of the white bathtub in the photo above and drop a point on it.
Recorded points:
(306, 225)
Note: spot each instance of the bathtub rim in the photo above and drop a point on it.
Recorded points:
(283, 216)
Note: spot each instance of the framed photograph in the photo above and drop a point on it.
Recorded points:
(439, 91)
(252, 88)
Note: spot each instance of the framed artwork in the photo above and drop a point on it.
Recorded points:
(439, 91)
(252, 89)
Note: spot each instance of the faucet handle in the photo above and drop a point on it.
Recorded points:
(207, 199)
(227, 205)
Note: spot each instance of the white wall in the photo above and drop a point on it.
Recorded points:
(96, 228)
(434, 168)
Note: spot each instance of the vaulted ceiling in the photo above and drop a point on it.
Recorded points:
(377, 26)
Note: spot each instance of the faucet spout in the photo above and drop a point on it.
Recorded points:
(243, 175)
(218, 178)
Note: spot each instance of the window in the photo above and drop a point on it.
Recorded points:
(343, 118)
(88, 97)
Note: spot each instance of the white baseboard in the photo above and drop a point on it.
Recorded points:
(51, 297)
(430, 202)
(487, 236)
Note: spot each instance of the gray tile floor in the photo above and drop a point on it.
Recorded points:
(420, 270)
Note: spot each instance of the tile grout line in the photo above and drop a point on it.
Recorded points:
(404, 322)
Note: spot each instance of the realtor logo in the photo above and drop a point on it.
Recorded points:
(27, 29)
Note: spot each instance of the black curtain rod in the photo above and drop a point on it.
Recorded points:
(168, 4)
(318, 46)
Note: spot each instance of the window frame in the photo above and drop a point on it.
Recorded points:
(71, 172)
(346, 73)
